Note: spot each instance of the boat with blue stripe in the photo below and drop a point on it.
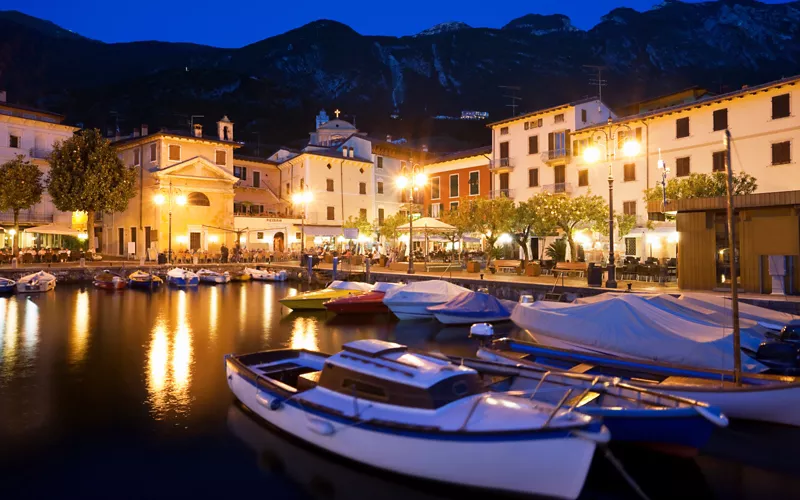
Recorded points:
(7, 285)
(182, 278)
(420, 415)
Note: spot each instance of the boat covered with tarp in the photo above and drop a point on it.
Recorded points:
(473, 307)
(629, 325)
(315, 299)
(412, 301)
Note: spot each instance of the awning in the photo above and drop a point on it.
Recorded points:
(323, 230)
(53, 229)
(428, 224)
(661, 231)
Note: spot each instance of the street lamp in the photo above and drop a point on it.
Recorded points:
(592, 154)
(303, 198)
(180, 200)
(412, 179)
(662, 166)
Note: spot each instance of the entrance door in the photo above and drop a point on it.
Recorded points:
(121, 242)
(561, 178)
(194, 241)
(277, 242)
(503, 184)
(256, 179)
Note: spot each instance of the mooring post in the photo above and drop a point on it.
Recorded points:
(367, 262)
(335, 265)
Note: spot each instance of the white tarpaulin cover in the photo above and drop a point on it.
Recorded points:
(630, 325)
(350, 285)
(424, 292)
(382, 286)
(767, 317)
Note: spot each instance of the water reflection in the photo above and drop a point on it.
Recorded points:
(170, 363)
(80, 328)
(213, 317)
(10, 338)
(269, 307)
(304, 333)
(30, 333)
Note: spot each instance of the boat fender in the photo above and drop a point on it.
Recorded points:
(321, 427)
(275, 404)
(481, 330)
(718, 419)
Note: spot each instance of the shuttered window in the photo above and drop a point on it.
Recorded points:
(329, 184)
(583, 177)
(781, 153)
(629, 172)
(380, 187)
(533, 145)
(362, 188)
(331, 213)
(682, 166)
(682, 127)
(718, 161)
(533, 177)
(629, 207)
(780, 106)
(721, 119)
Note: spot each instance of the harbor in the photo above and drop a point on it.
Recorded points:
(167, 399)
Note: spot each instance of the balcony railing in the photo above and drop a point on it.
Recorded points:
(501, 163)
(40, 153)
(555, 155)
(558, 188)
(27, 216)
(501, 193)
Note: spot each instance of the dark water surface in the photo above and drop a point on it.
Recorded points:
(123, 395)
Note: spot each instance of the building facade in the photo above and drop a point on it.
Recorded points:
(31, 133)
(455, 177)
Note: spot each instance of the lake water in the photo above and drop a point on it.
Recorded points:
(123, 395)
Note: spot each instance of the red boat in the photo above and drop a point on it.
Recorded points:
(110, 281)
(368, 303)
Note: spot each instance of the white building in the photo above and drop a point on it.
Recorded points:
(31, 133)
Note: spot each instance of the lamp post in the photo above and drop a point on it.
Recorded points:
(662, 166)
(592, 155)
(167, 197)
(412, 179)
(303, 198)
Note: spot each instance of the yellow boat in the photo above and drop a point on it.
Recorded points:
(315, 299)
(240, 276)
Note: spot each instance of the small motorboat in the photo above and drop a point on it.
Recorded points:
(420, 415)
(7, 285)
(315, 299)
(782, 354)
(368, 303)
(182, 278)
(473, 307)
(107, 280)
(240, 276)
(267, 274)
(144, 280)
(412, 301)
(213, 277)
(632, 413)
(36, 282)
(766, 398)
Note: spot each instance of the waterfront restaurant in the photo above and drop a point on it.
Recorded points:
(767, 236)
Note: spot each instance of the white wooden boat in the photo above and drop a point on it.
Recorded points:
(412, 301)
(213, 277)
(182, 278)
(266, 274)
(36, 283)
(420, 415)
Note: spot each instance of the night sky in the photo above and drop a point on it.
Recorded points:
(234, 23)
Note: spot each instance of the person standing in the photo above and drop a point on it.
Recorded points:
(223, 250)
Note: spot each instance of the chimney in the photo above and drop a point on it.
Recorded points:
(388, 138)
(198, 130)
(144, 129)
(136, 132)
(344, 152)
(352, 153)
(424, 147)
(2, 96)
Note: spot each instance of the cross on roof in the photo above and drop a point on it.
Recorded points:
(337, 113)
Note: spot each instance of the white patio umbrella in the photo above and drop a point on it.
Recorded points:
(427, 225)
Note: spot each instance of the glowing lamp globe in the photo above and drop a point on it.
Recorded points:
(591, 154)
(420, 179)
(402, 182)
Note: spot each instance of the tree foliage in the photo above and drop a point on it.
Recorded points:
(361, 223)
(491, 218)
(461, 220)
(390, 224)
(702, 186)
(87, 175)
(557, 250)
(20, 188)
(569, 213)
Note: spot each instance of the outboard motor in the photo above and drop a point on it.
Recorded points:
(782, 355)
(482, 331)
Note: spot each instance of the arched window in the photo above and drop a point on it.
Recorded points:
(198, 200)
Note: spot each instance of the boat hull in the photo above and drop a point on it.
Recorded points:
(7, 288)
(215, 280)
(183, 282)
(315, 301)
(451, 318)
(553, 466)
(110, 285)
(412, 310)
(369, 303)
(763, 398)
(41, 287)
(144, 284)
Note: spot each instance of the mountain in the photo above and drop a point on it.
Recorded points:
(273, 88)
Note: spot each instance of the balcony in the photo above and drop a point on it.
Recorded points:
(556, 155)
(501, 163)
(40, 153)
(501, 193)
(27, 217)
(558, 188)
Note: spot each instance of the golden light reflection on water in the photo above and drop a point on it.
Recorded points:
(30, 333)
(304, 334)
(169, 363)
(242, 307)
(213, 313)
(79, 335)
(10, 335)
(269, 309)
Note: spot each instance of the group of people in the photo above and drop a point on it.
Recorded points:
(42, 254)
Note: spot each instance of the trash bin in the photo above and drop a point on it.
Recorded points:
(533, 269)
(473, 267)
(594, 275)
(162, 258)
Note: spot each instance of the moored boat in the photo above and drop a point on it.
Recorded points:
(7, 285)
(412, 301)
(240, 275)
(144, 280)
(766, 398)
(182, 278)
(213, 277)
(267, 274)
(368, 303)
(36, 282)
(315, 299)
(107, 280)
(473, 307)
(418, 415)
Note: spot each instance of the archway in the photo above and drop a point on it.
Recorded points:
(198, 200)
(277, 241)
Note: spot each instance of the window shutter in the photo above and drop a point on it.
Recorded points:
(551, 141)
(639, 135)
(566, 141)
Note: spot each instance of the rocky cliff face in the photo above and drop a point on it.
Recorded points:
(275, 86)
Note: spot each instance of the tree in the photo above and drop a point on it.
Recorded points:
(543, 222)
(460, 218)
(567, 213)
(20, 188)
(557, 250)
(491, 218)
(522, 225)
(624, 223)
(86, 175)
(361, 223)
(702, 186)
(390, 224)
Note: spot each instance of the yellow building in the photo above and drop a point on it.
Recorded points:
(186, 189)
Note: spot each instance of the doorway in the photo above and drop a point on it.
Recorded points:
(277, 242)
(194, 241)
(121, 242)
(503, 178)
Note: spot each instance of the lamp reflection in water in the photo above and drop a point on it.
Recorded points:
(30, 333)
(213, 313)
(170, 363)
(9, 309)
(79, 334)
(269, 310)
(304, 334)
(242, 308)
